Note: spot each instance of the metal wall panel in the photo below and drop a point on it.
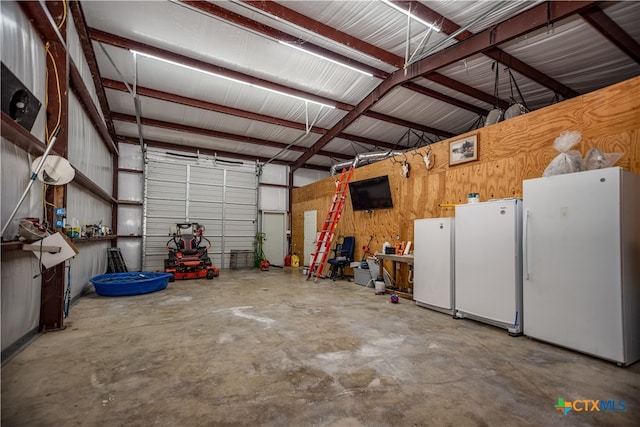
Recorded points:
(220, 197)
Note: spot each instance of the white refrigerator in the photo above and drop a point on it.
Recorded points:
(488, 263)
(582, 262)
(433, 273)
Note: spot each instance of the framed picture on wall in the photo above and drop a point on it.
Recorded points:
(463, 150)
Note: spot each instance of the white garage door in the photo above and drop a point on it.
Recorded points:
(221, 197)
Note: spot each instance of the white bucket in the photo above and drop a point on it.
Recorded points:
(379, 286)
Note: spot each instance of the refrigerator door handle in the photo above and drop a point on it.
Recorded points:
(525, 244)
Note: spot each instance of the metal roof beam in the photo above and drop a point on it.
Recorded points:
(530, 72)
(124, 43)
(425, 13)
(210, 106)
(449, 27)
(405, 123)
(218, 134)
(467, 90)
(317, 27)
(612, 31)
(87, 48)
(445, 98)
(273, 33)
(209, 152)
(527, 21)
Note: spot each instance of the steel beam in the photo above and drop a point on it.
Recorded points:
(613, 32)
(275, 34)
(467, 90)
(89, 54)
(208, 151)
(209, 106)
(407, 124)
(124, 43)
(530, 20)
(317, 27)
(445, 98)
(218, 134)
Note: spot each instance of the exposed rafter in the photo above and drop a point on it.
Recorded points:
(37, 14)
(523, 23)
(317, 27)
(207, 151)
(303, 21)
(250, 24)
(612, 31)
(124, 43)
(450, 27)
(210, 106)
(218, 134)
(466, 89)
(89, 54)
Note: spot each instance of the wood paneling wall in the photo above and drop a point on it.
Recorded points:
(508, 153)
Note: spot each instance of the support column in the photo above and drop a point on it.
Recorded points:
(53, 279)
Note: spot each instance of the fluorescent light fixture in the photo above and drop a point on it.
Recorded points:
(410, 15)
(317, 55)
(189, 67)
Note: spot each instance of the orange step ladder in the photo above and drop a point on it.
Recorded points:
(325, 238)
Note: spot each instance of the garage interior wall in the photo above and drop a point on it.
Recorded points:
(508, 153)
(25, 55)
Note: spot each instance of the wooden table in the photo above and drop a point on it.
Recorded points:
(406, 259)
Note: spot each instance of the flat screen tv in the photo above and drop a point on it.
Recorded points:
(371, 194)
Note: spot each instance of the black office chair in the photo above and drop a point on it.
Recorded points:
(342, 258)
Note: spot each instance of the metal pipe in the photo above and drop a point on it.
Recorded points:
(368, 157)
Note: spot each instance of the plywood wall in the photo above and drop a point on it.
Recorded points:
(508, 153)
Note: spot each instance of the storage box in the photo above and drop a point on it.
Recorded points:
(241, 259)
(362, 276)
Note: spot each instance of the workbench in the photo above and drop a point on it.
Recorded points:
(394, 258)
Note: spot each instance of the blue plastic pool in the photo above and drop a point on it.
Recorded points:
(120, 284)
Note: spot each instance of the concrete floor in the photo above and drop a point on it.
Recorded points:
(268, 348)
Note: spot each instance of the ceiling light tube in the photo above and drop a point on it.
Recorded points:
(410, 15)
(189, 67)
(317, 55)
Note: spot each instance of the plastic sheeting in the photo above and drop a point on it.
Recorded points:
(130, 157)
(204, 119)
(20, 295)
(202, 141)
(15, 165)
(131, 250)
(549, 49)
(87, 151)
(273, 199)
(24, 54)
(86, 207)
(77, 56)
(275, 174)
(302, 177)
(192, 34)
(192, 84)
(414, 107)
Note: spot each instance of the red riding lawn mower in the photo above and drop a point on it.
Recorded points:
(188, 258)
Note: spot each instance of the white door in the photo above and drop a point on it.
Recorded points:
(310, 235)
(275, 229)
